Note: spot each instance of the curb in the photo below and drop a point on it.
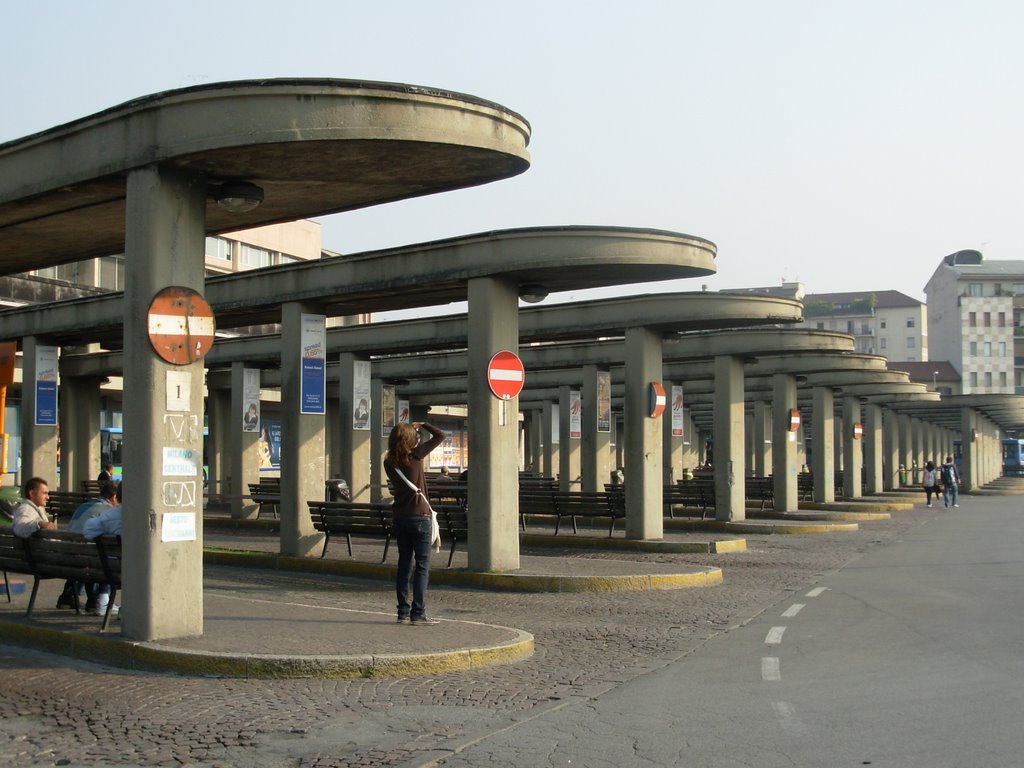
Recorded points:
(759, 527)
(632, 545)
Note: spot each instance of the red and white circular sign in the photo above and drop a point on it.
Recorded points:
(180, 325)
(858, 431)
(506, 375)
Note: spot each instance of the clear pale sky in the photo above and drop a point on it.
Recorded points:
(845, 145)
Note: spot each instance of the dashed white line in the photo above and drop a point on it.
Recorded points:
(770, 671)
(788, 719)
(774, 636)
(793, 610)
(817, 591)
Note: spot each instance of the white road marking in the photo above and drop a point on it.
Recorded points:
(770, 671)
(774, 636)
(793, 610)
(817, 591)
(788, 719)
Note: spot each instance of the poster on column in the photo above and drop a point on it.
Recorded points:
(361, 394)
(387, 410)
(313, 338)
(46, 386)
(403, 411)
(575, 414)
(556, 427)
(250, 399)
(677, 410)
(604, 401)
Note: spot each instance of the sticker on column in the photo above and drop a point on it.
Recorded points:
(313, 335)
(46, 386)
(178, 526)
(361, 394)
(179, 391)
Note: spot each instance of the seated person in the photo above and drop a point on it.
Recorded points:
(106, 523)
(30, 514)
(85, 511)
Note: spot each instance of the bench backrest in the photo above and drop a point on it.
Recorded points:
(62, 554)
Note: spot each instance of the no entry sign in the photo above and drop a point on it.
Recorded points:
(505, 375)
(180, 325)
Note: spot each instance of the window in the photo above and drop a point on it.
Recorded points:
(1002, 319)
(865, 329)
(910, 322)
(881, 323)
(251, 256)
(1002, 349)
(974, 378)
(1018, 289)
(1002, 379)
(849, 326)
(986, 319)
(821, 326)
(910, 342)
(974, 349)
(974, 289)
(112, 273)
(972, 319)
(988, 349)
(988, 378)
(881, 343)
(218, 248)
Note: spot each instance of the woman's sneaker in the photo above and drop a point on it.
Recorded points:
(424, 620)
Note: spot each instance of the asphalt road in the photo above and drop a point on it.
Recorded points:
(912, 655)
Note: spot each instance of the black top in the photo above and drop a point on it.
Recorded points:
(407, 502)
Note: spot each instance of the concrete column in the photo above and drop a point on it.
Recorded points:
(38, 442)
(691, 441)
(917, 449)
(219, 417)
(378, 441)
(822, 434)
(785, 466)
(852, 451)
(493, 430)
(906, 447)
(568, 446)
(332, 436)
(595, 448)
(969, 463)
(838, 428)
(354, 444)
(79, 431)
(763, 435)
(163, 579)
(873, 448)
(303, 440)
(729, 466)
(535, 441)
(672, 445)
(643, 438)
(549, 448)
(242, 449)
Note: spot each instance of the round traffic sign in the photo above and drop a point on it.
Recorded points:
(180, 325)
(506, 375)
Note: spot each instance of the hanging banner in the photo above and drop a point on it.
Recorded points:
(677, 410)
(403, 411)
(313, 338)
(604, 401)
(556, 425)
(361, 394)
(46, 386)
(251, 399)
(575, 414)
(387, 410)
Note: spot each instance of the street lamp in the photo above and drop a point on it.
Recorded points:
(935, 375)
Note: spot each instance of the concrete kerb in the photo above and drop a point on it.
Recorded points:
(758, 527)
(634, 545)
(157, 657)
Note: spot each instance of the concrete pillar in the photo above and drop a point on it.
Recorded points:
(838, 428)
(822, 434)
(785, 466)
(79, 431)
(890, 449)
(672, 445)
(969, 463)
(906, 447)
(38, 441)
(569, 444)
(691, 441)
(303, 439)
(332, 436)
(379, 431)
(162, 568)
(729, 466)
(643, 438)
(549, 432)
(763, 435)
(595, 456)
(873, 449)
(535, 442)
(493, 429)
(242, 449)
(852, 451)
(354, 445)
(218, 416)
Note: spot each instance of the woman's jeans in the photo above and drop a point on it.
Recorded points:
(950, 494)
(413, 537)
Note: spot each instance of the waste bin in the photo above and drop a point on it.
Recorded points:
(337, 490)
(687, 473)
(616, 477)
(903, 475)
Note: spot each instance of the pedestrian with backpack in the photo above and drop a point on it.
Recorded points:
(950, 483)
(930, 482)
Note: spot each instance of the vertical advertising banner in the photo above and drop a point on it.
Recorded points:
(387, 410)
(250, 399)
(361, 395)
(575, 414)
(313, 391)
(677, 410)
(403, 411)
(46, 386)
(604, 401)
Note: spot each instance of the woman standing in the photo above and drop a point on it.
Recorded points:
(412, 517)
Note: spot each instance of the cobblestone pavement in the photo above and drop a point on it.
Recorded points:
(60, 712)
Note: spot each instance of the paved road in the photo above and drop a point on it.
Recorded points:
(698, 651)
(909, 656)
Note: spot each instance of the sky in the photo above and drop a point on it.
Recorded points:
(848, 146)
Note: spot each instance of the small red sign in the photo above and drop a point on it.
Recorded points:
(506, 375)
(794, 419)
(858, 431)
(180, 325)
(656, 399)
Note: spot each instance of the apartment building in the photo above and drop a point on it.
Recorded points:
(886, 323)
(976, 313)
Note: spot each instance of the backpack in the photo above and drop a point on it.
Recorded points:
(947, 474)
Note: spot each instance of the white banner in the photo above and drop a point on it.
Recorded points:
(361, 394)
(250, 400)
(677, 410)
(575, 414)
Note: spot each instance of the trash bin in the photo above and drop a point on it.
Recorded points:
(337, 490)
(687, 473)
(616, 477)
(903, 475)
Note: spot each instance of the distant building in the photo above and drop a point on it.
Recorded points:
(975, 313)
(939, 376)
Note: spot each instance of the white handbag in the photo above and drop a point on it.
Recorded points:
(435, 529)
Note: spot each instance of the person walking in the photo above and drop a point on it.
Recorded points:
(950, 483)
(413, 518)
(930, 481)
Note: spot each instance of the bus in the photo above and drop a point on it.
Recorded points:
(1013, 457)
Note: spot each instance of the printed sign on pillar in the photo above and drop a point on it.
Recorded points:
(575, 414)
(677, 410)
(604, 401)
(361, 395)
(387, 410)
(46, 386)
(250, 399)
(313, 390)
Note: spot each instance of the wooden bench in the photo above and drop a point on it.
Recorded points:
(334, 518)
(805, 486)
(534, 502)
(760, 489)
(53, 554)
(574, 504)
(62, 504)
(91, 487)
(697, 493)
(453, 521)
(266, 493)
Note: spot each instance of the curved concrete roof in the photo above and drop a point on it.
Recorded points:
(316, 146)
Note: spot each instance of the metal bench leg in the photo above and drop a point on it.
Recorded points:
(7, 586)
(348, 538)
(110, 607)
(327, 538)
(387, 543)
(452, 553)
(32, 600)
